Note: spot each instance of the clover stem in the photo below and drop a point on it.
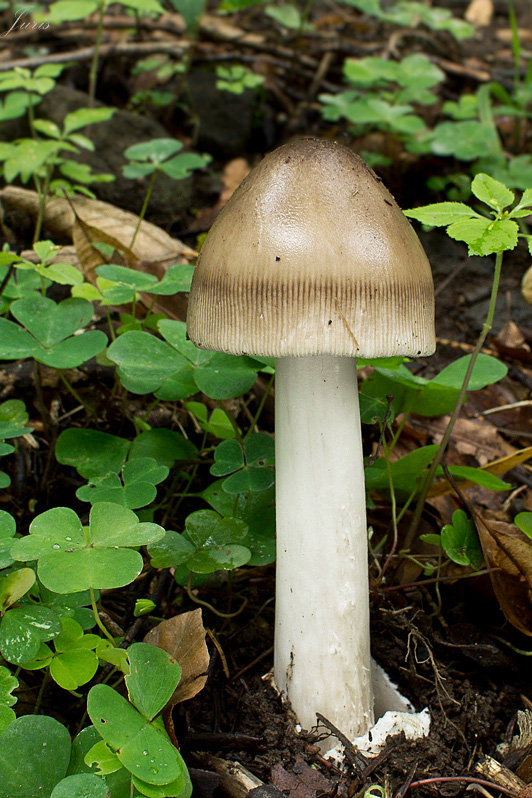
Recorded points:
(260, 408)
(42, 688)
(429, 479)
(76, 395)
(98, 619)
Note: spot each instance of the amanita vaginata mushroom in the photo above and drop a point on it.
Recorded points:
(312, 262)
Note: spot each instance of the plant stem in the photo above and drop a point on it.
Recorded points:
(259, 409)
(76, 395)
(93, 75)
(98, 619)
(144, 207)
(429, 479)
(38, 702)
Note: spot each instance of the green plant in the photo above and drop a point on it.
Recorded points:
(13, 424)
(485, 235)
(164, 69)
(125, 753)
(38, 158)
(71, 10)
(459, 541)
(236, 79)
(159, 156)
(192, 12)
(383, 95)
(524, 522)
(412, 14)
(26, 88)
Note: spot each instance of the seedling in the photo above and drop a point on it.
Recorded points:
(72, 558)
(236, 79)
(46, 332)
(38, 158)
(26, 88)
(383, 95)
(159, 155)
(104, 758)
(484, 235)
(459, 541)
(411, 14)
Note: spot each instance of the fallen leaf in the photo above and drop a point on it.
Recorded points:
(183, 636)
(526, 286)
(497, 467)
(86, 221)
(479, 13)
(506, 549)
(302, 782)
(511, 342)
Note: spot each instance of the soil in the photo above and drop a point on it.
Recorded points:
(448, 645)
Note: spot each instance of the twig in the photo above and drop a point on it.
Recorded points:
(466, 779)
(106, 50)
(351, 752)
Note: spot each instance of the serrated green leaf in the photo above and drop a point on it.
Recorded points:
(492, 192)
(468, 230)
(442, 213)
(83, 117)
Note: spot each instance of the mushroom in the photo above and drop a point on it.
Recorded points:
(312, 262)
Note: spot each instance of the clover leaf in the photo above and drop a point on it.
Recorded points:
(75, 662)
(209, 543)
(249, 465)
(72, 558)
(8, 683)
(48, 331)
(139, 477)
(175, 369)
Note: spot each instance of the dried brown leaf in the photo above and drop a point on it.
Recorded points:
(526, 286)
(86, 221)
(511, 341)
(183, 636)
(479, 13)
(510, 552)
(302, 782)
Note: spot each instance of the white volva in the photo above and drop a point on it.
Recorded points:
(322, 651)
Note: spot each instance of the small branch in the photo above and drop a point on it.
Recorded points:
(106, 50)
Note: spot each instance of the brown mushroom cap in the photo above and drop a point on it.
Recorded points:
(312, 255)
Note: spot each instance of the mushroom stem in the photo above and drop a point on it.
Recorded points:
(322, 651)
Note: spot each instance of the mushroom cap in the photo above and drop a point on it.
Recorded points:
(312, 255)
